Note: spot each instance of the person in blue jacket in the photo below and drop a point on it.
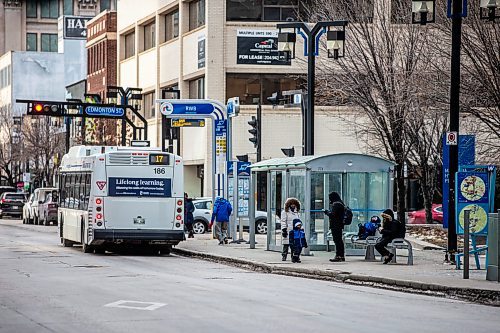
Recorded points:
(297, 239)
(221, 213)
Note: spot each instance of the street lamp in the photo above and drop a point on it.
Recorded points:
(335, 48)
(422, 12)
(488, 9)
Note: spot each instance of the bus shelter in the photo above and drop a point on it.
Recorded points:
(365, 183)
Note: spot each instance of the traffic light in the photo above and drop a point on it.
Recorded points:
(254, 124)
(42, 109)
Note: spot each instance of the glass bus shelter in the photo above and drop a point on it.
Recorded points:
(365, 184)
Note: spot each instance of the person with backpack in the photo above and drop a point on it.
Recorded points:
(336, 217)
(288, 215)
(221, 213)
(297, 240)
(391, 229)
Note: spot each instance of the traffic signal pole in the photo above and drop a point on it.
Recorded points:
(259, 131)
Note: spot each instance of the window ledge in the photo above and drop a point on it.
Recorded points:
(170, 41)
(147, 51)
(190, 32)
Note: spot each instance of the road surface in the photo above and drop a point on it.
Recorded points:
(47, 288)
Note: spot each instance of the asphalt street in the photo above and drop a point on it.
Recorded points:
(47, 288)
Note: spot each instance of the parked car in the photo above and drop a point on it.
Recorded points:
(7, 189)
(418, 216)
(31, 211)
(203, 213)
(11, 204)
(48, 209)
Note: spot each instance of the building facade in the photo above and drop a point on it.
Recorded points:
(219, 49)
(31, 25)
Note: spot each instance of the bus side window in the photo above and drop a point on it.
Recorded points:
(88, 179)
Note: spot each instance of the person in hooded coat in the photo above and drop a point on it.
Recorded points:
(391, 229)
(221, 213)
(188, 214)
(336, 217)
(290, 213)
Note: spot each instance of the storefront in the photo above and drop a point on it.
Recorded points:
(364, 182)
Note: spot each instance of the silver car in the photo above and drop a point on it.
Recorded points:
(203, 213)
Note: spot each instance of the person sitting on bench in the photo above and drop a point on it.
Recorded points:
(391, 229)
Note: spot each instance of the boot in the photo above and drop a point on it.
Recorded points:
(283, 257)
(337, 259)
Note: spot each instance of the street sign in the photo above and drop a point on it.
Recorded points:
(180, 122)
(96, 110)
(451, 138)
(472, 193)
(220, 145)
(168, 109)
(26, 177)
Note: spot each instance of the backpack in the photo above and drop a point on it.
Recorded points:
(347, 215)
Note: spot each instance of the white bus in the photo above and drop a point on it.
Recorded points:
(121, 195)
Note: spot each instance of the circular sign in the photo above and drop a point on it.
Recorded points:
(473, 188)
(478, 218)
(167, 108)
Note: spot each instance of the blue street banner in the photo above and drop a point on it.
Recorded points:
(466, 156)
(168, 108)
(472, 192)
(140, 187)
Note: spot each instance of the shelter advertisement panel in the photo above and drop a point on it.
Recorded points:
(259, 47)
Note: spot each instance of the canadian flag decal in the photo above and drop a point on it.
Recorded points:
(100, 184)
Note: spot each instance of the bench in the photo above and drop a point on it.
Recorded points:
(368, 243)
(403, 244)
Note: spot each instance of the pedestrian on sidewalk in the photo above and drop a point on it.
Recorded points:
(188, 215)
(297, 239)
(336, 217)
(290, 213)
(391, 229)
(221, 213)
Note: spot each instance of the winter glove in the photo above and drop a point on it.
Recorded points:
(284, 233)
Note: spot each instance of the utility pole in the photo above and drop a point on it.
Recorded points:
(259, 131)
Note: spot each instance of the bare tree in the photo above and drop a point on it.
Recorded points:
(384, 74)
(43, 142)
(10, 148)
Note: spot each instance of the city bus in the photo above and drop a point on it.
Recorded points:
(120, 195)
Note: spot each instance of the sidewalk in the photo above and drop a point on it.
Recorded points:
(428, 275)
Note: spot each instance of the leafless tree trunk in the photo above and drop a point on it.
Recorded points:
(10, 148)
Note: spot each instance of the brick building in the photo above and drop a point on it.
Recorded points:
(101, 71)
(101, 53)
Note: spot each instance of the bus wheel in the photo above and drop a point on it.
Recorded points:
(87, 248)
(166, 249)
(66, 243)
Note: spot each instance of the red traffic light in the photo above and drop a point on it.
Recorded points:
(38, 107)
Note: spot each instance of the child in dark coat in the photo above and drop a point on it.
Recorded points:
(297, 239)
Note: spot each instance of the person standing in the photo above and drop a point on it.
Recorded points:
(391, 229)
(297, 240)
(188, 215)
(290, 213)
(221, 213)
(336, 217)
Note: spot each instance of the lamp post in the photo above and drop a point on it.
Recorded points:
(335, 47)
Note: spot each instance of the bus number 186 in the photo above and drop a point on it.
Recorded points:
(159, 171)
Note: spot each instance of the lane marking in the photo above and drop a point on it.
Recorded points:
(304, 312)
(149, 306)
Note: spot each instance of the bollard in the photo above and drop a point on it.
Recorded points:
(466, 242)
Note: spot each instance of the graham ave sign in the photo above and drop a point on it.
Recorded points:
(258, 47)
(75, 27)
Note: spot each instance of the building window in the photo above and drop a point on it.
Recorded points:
(49, 43)
(149, 36)
(148, 101)
(172, 25)
(105, 4)
(31, 11)
(252, 87)
(50, 8)
(31, 42)
(196, 14)
(68, 7)
(262, 10)
(197, 88)
(130, 45)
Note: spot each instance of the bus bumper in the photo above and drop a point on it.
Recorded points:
(115, 235)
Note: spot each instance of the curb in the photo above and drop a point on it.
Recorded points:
(480, 296)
